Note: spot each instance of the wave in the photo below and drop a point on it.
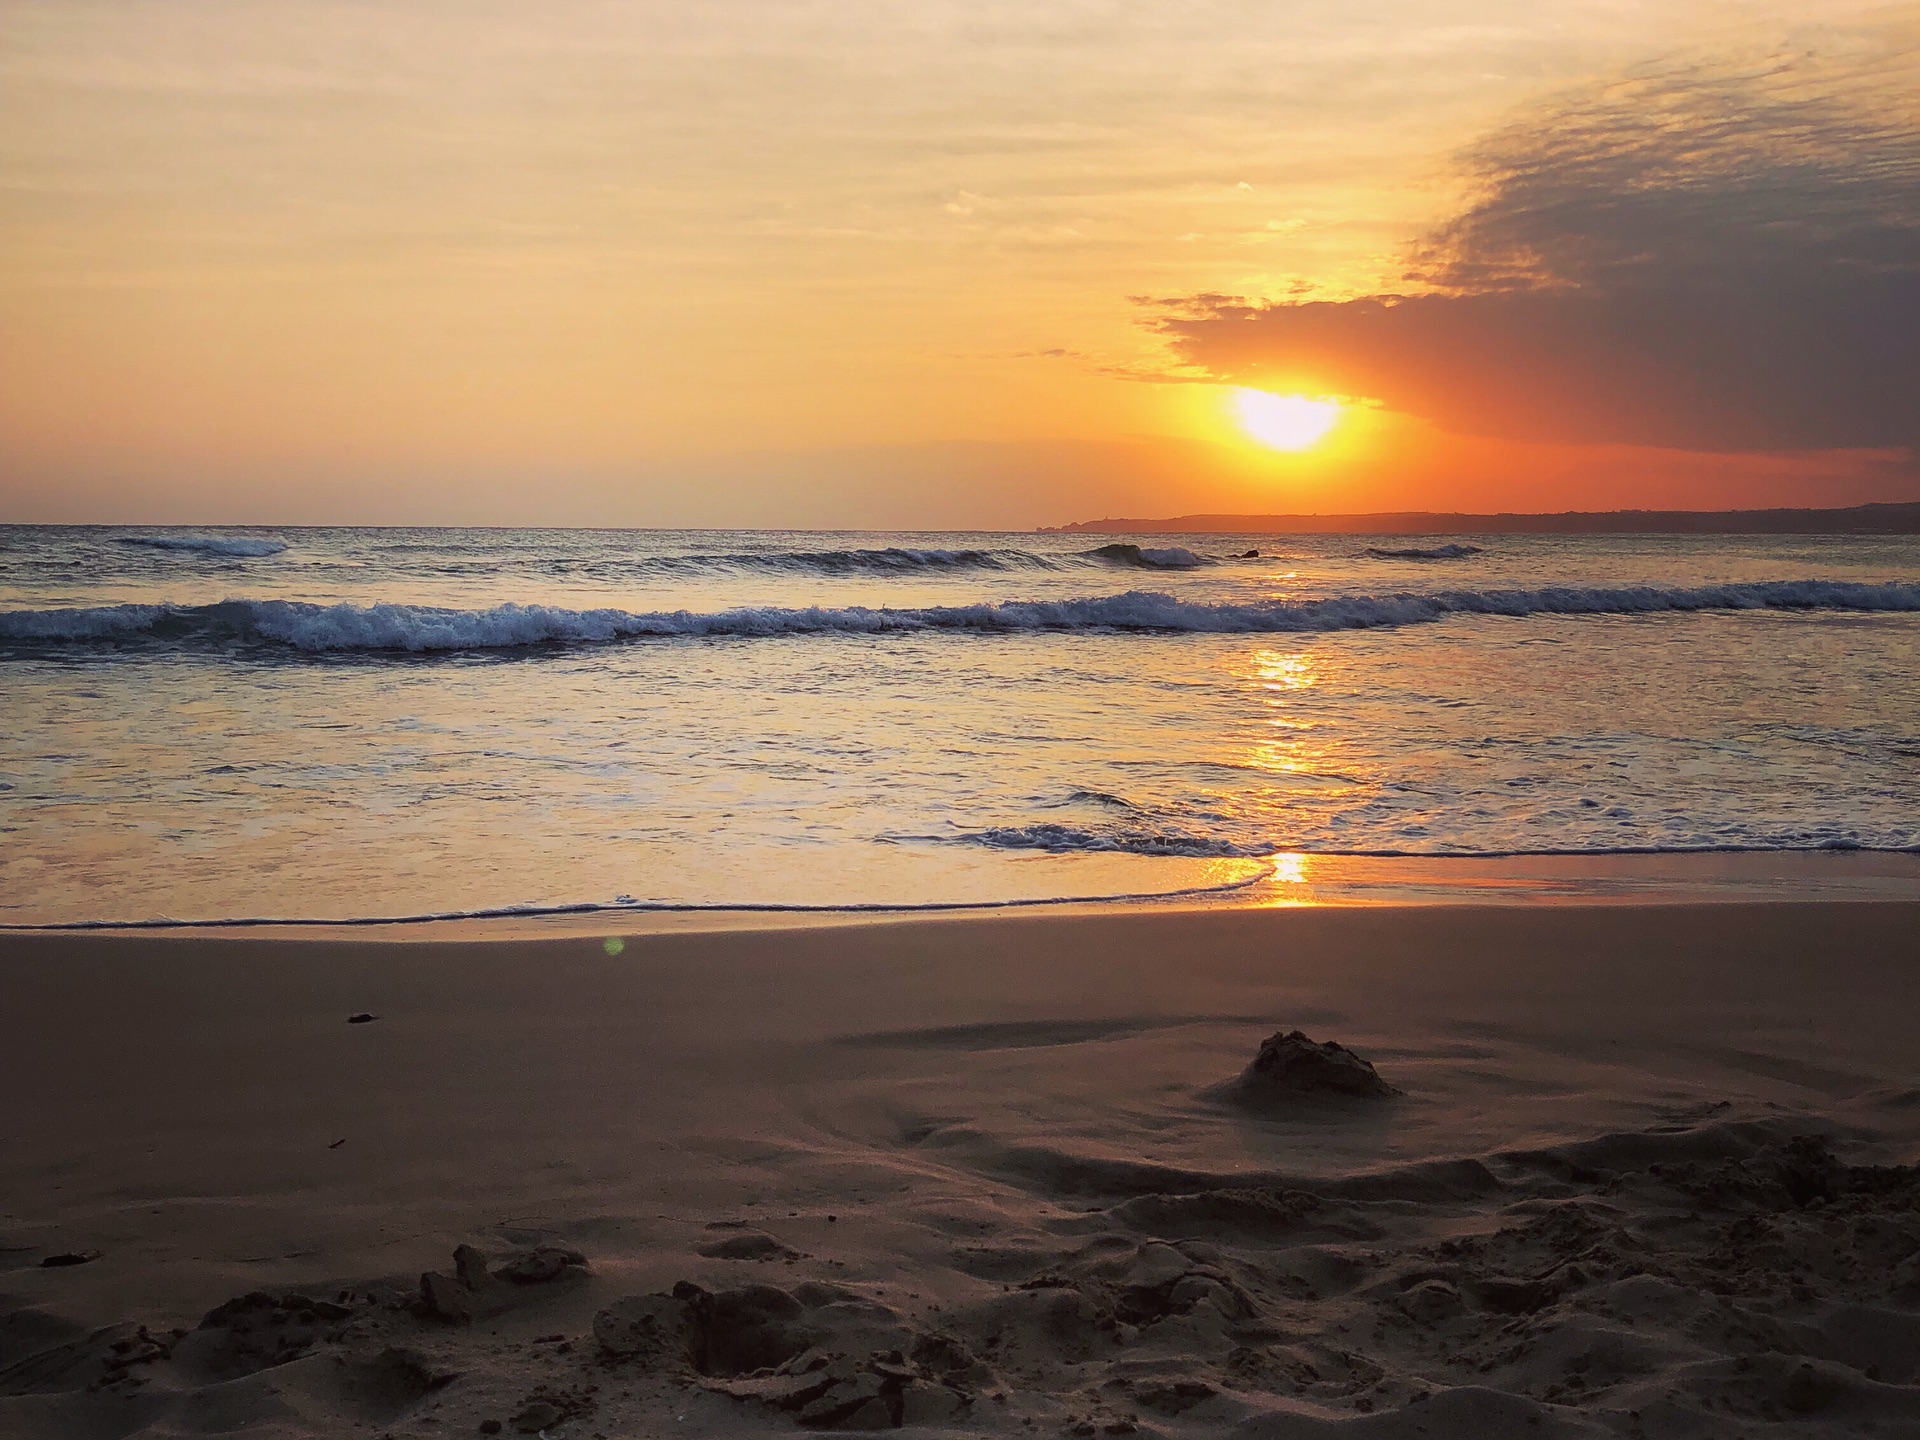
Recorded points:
(1055, 839)
(898, 559)
(418, 629)
(894, 560)
(236, 547)
(890, 560)
(1170, 558)
(1438, 552)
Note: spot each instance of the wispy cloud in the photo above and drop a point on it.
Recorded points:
(1708, 254)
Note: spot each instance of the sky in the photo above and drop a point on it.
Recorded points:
(950, 263)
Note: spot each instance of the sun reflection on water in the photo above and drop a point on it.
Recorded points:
(1291, 882)
(1278, 670)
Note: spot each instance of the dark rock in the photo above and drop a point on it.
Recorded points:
(70, 1257)
(1292, 1064)
(363, 1018)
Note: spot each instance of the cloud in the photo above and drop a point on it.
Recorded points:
(1707, 255)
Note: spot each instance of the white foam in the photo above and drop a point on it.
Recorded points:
(1057, 839)
(319, 629)
(100, 622)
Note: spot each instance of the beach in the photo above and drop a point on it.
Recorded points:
(1639, 1175)
(609, 832)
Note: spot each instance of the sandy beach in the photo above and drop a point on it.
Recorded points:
(973, 1176)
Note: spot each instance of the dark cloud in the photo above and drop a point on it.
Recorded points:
(1717, 256)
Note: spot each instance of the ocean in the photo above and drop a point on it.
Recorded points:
(348, 724)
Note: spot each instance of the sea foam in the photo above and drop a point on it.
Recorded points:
(321, 629)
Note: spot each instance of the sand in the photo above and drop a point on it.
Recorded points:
(1629, 1171)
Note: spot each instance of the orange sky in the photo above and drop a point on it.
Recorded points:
(766, 262)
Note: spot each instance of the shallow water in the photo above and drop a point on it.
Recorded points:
(395, 722)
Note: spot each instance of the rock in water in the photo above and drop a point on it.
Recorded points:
(1292, 1065)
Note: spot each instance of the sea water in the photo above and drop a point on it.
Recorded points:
(346, 723)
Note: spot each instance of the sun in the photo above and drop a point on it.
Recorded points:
(1286, 422)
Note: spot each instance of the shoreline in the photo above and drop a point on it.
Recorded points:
(999, 1146)
(1301, 879)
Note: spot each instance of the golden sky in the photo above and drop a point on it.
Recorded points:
(940, 262)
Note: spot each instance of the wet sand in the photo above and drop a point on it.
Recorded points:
(1642, 1176)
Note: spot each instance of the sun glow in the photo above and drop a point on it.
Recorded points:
(1285, 422)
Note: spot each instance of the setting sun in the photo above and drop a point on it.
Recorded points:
(1285, 422)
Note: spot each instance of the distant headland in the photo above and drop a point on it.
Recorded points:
(1902, 519)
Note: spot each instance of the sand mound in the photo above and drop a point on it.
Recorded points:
(1291, 1066)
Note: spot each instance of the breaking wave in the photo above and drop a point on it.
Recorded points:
(1168, 842)
(893, 560)
(898, 560)
(238, 547)
(416, 629)
(1438, 552)
(1131, 840)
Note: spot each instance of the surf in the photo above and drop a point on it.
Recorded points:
(317, 629)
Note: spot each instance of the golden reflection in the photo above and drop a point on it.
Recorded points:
(1284, 676)
(1277, 670)
(1290, 886)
